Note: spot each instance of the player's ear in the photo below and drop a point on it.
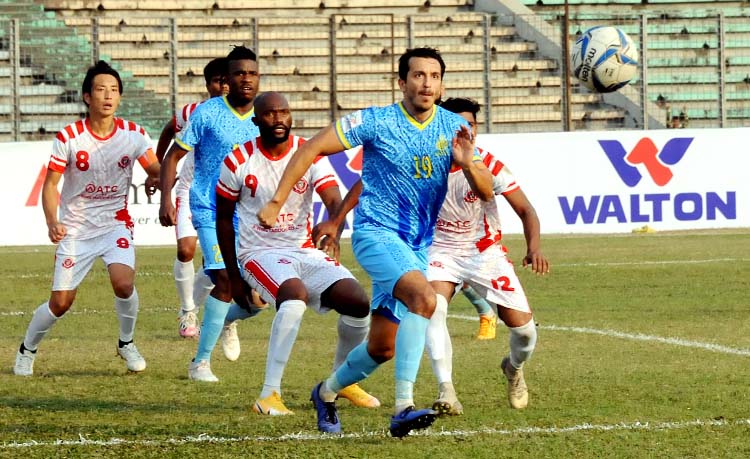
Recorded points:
(401, 85)
(87, 98)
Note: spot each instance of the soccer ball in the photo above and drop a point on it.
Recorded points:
(604, 59)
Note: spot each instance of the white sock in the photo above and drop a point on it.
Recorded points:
(184, 272)
(438, 342)
(352, 331)
(522, 343)
(127, 313)
(41, 322)
(284, 331)
(202, 287)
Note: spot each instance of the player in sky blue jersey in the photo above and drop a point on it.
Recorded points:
(213, 131)
(408, 149)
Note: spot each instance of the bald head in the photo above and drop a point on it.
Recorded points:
(273, 117)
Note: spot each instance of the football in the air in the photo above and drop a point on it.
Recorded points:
(604, 59)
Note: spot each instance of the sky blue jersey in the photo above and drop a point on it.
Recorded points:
(404, 169)
(213, 131)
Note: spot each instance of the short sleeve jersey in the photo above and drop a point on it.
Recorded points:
(250, 176)
(405, 168)
(466, 224)
(213, 130)
(180, 121)
(97, 173)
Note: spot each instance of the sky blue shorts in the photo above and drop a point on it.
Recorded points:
(386, 258)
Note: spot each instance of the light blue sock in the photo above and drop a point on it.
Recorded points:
(357, 366)
(236, 313)
(410, 339)
(480, 304)
(213, 321)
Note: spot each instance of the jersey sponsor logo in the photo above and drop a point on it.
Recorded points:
(124, 162)
(68, 263)
(285, 261)
(351, 121)
(655, 161)
(648, 207)
(94, 189)
(454, 224)
(301, 186)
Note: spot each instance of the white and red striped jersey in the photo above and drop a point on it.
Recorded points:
(466, 224)
(181, 117)
(250, 176)
(97, 173)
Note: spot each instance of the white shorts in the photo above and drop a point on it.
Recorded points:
(74, 258)
(184, 227)
(267, 269)
(490, 273)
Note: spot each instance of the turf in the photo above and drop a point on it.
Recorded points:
(644, 351)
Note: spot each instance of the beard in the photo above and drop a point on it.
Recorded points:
(269, 136)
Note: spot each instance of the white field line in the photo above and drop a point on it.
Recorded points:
(634, 337)
(304, 436)
(656, 262)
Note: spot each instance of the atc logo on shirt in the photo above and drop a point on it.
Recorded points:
(646, 153)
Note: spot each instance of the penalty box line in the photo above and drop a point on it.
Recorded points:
(303, 436)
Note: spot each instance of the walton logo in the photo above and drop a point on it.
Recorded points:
(646, 153)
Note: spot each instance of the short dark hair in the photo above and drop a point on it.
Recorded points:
(430, 53)
(215, 67)
(100, 68)
(461, 105)
(241, 53)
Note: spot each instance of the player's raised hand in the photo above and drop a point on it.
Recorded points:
(463, 146)
(325, 238)
(167, 213)
(268, 214)
(537, 261)
(56, 232)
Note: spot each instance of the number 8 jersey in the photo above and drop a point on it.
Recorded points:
(97, 172)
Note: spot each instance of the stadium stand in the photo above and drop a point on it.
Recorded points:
(332, 57)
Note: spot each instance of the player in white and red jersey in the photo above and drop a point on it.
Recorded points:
(193, 286)
(281, 262)
(467, 249)
(96, 156)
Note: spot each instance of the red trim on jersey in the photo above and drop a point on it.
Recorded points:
(239, 156)
(61, 137)
(230, 165)
(498, 167)
(79, 126)
(268, 155)
(489, 239)
(122, 215)
(308, 244)
(221, 189)
(109, 136)
(55, 167)
(262, 277)
(69, 130)
(325, 186)
(506, 193)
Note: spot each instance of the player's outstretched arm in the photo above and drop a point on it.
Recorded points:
(325, 232)
(167, 133)
(50, 201)
(225, 234)
(324, 143)
(531, 231)
(476, 173)
(168, 175)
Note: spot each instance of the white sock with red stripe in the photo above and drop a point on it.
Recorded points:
(284, 331)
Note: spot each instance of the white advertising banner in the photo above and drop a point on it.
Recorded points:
(610, 182)
(580, 182)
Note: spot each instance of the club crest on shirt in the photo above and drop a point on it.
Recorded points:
(301, 186)
(470, 197)
(351, 121)
(441, 146)
(68, 263)
(124, 162)
(436, 264)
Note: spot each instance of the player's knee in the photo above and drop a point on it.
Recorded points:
(123, 288)
(380, 352)
(424, 304)
(347, 297)
(292, 289)
(59, 307)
